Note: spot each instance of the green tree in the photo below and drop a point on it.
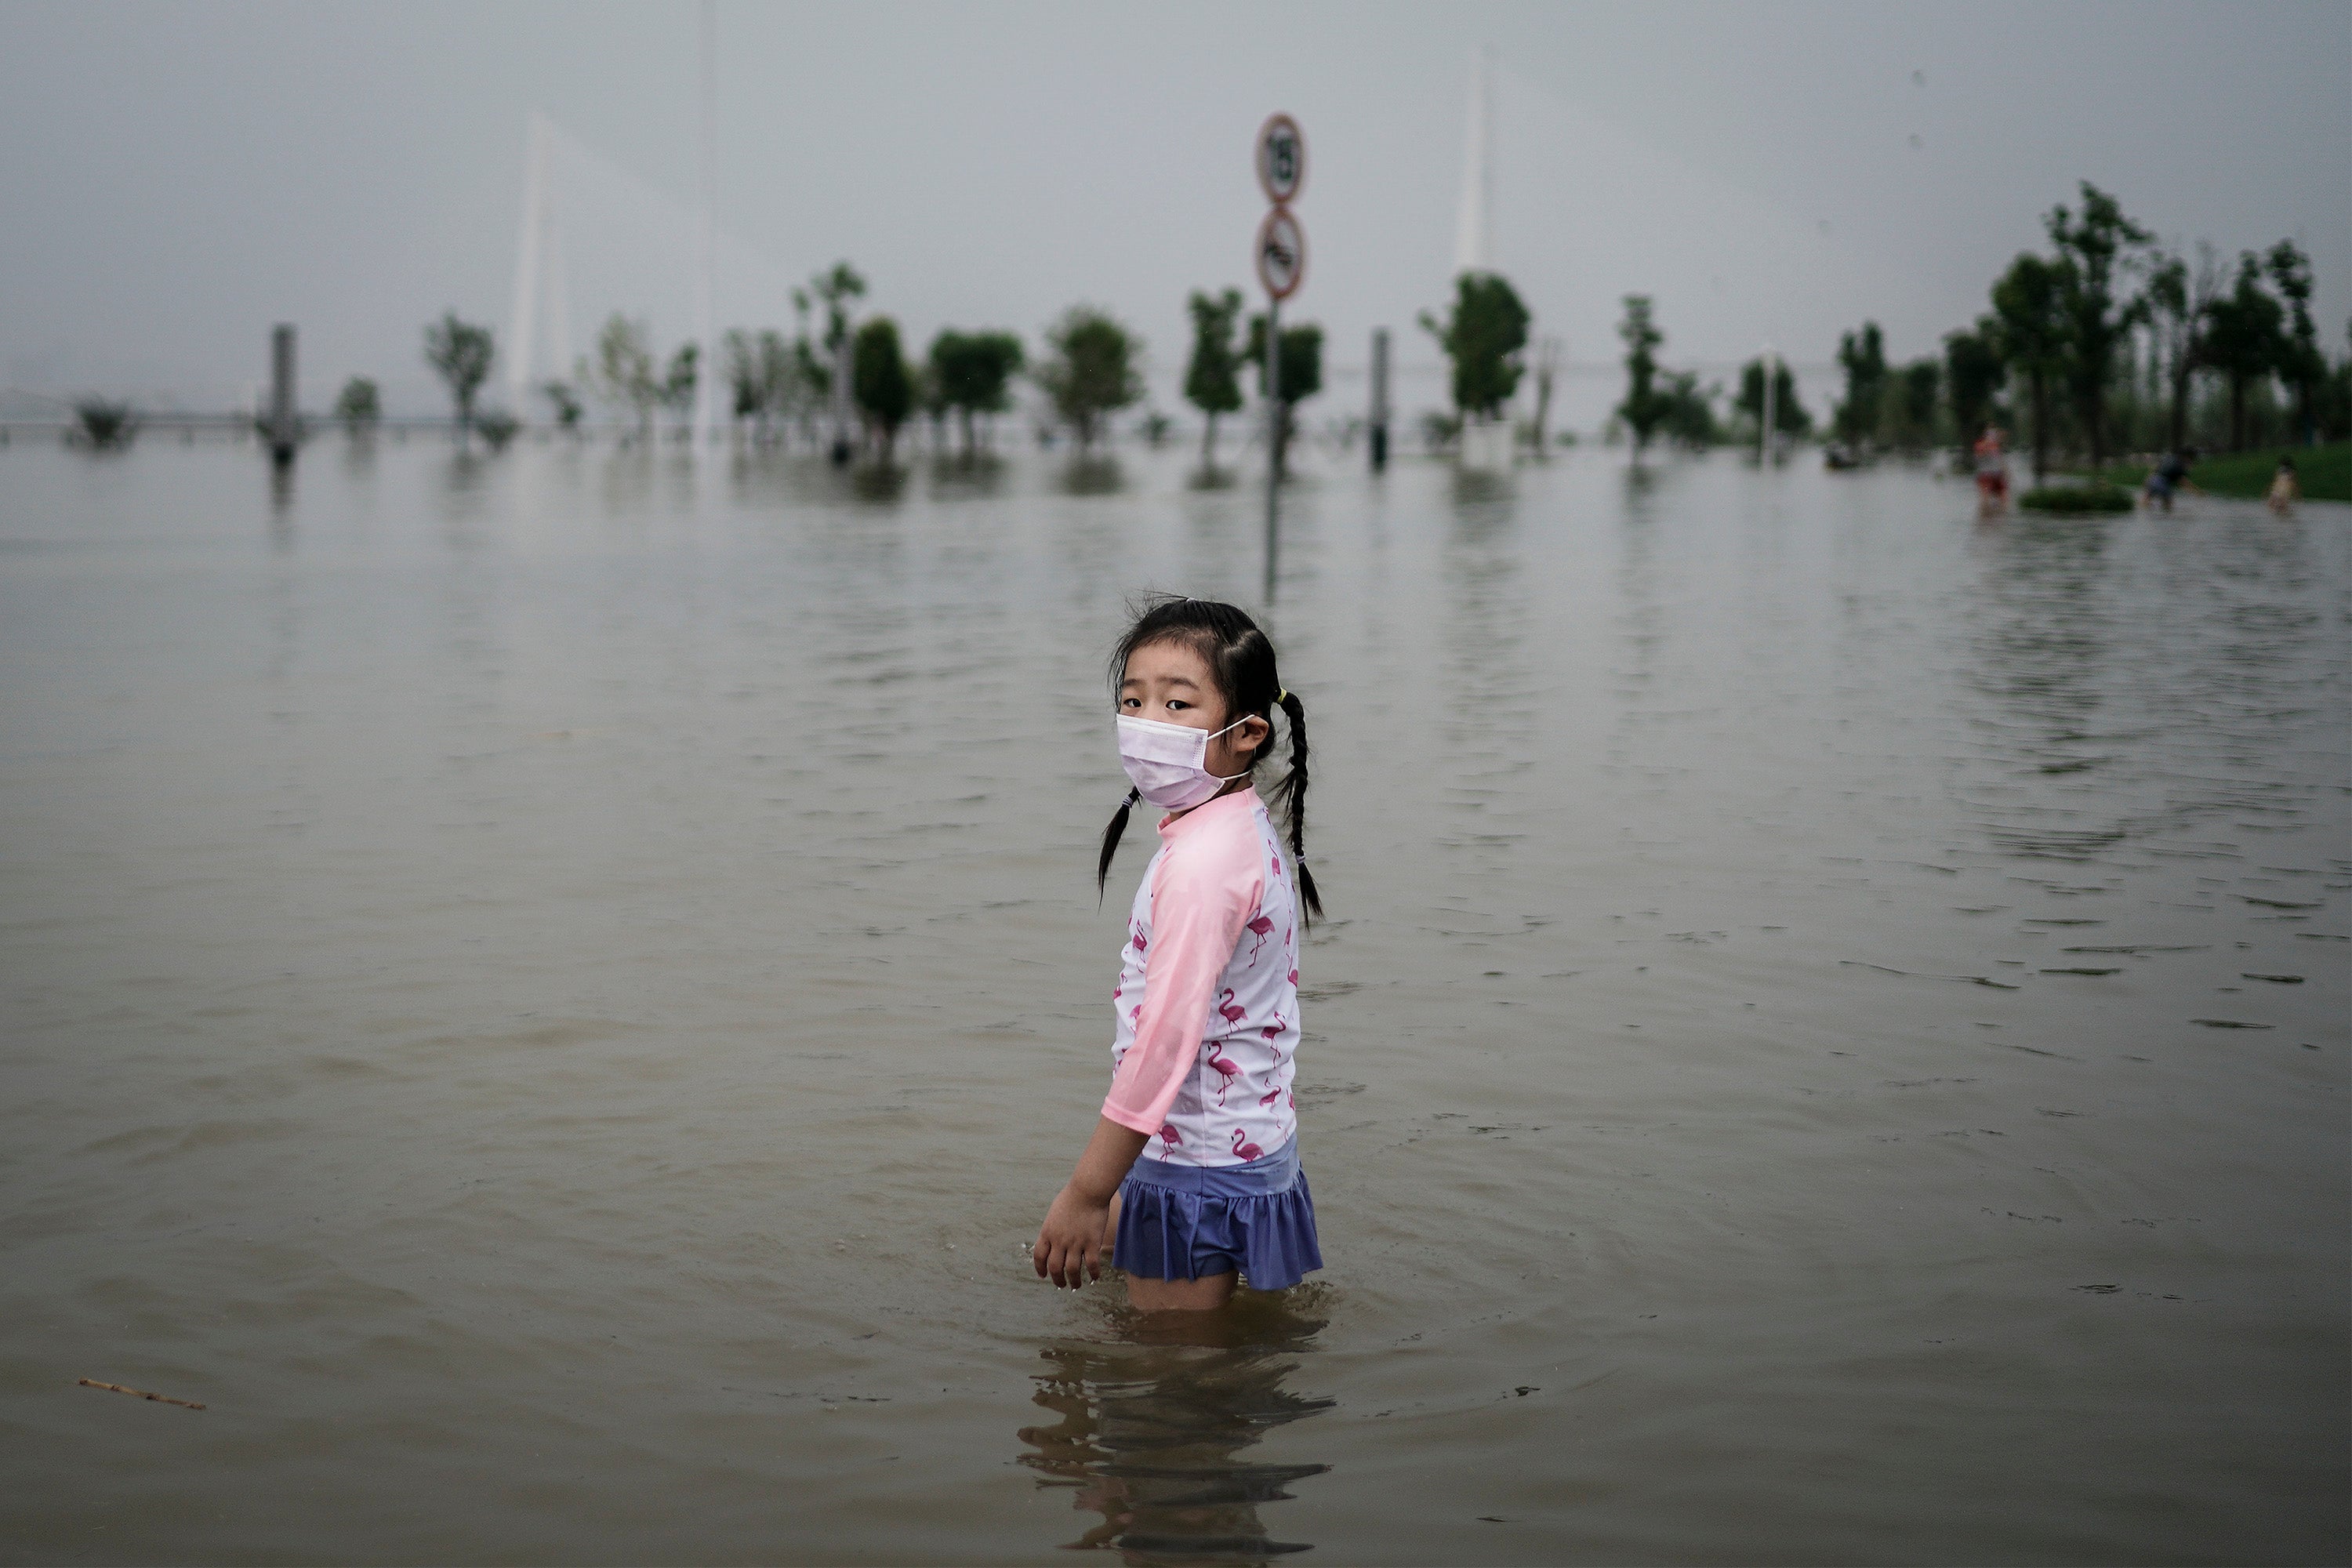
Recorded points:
(623, 371)
(2173, 301)
(746, 387)
(1645, 407)
(974, 375)
(2301, 365)
(1301, 372)
(1689, 411)
(1973, 373)
(879, 380)
(1789, 415)
(1918, 388)
(2033, 338)
(1212, 378)
(460, 354)
(566, 402)
(1862, 357)
(1092, 370)
(678, 382)
(357, 405)
(2246, 337)
(2091, 246)
(1484, 335)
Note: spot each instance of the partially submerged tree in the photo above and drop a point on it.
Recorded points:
(2098, 320)
(566, 402)
(1973, 373)
(1092, 370)
(1918, 387)
(1212, 378)
(460, 354)
(677, 383)
(2173, 302)
(357, 406)
(974, 375)
(1863, 356)
(623, 371)
(1689, 410)
(2301, 365)
(1299, 373)
(1789, 414)
(105, 423)
(2033, 338)
(1484, 334)
(879, 382)
(2246, 337)
(1645, 408)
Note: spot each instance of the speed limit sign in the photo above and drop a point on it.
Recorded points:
(1281, 158)
(1281, 254)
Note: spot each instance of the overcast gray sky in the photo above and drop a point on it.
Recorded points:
(180, 176)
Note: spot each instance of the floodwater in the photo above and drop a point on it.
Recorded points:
(551, 993)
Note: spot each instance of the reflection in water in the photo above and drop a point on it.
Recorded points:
(1093, 477)
(879, 482)
(1153, 1426)
(281, 508)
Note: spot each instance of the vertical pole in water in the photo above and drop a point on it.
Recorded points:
(1272, 441)
(282, 414)
(1379, 414)
(706, 358)
(1764, 441)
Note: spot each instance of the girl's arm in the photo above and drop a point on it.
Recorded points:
(1069, 1244)
(1200, 899)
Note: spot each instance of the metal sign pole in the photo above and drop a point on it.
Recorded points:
(1272, 441)
(1281, 267)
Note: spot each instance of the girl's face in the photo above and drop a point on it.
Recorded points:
(1169, 681)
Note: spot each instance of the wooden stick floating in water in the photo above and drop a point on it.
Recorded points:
(141, 1392)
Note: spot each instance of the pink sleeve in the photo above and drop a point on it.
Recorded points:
(1201, 896)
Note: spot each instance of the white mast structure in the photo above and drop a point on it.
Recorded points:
(706, 362)
(529, 260)
(1474, 233)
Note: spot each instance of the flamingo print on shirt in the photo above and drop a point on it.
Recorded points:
(1206, 1031)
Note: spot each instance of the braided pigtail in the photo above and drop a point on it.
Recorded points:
(1292, 792)
(1111, 835)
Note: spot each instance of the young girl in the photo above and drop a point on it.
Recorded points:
(1192, 1178)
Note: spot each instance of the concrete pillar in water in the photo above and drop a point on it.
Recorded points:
(1380, 410)
(284, 419)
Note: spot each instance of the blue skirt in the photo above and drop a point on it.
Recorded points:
(1188, 1222)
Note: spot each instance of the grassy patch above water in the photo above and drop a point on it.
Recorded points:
(2326, 472)
(2077, 499)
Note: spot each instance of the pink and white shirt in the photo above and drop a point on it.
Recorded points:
(1207, 992)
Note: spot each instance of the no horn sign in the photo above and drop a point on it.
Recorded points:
(1281, 254)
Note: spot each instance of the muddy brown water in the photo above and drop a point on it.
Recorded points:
(551, 993)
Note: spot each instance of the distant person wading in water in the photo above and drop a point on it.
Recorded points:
(1992, 472)
(2169, 479)
(2286, 488)
(1192, 1178)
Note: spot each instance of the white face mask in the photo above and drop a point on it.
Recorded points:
(1165, 761)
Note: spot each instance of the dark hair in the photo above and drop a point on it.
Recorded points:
(1240, 661)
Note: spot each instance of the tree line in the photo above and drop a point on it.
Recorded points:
(2108, 341)
(1093, 368)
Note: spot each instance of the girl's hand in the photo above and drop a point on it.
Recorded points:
(1069, 1244)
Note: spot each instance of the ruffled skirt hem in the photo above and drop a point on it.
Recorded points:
(1167, 1234)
